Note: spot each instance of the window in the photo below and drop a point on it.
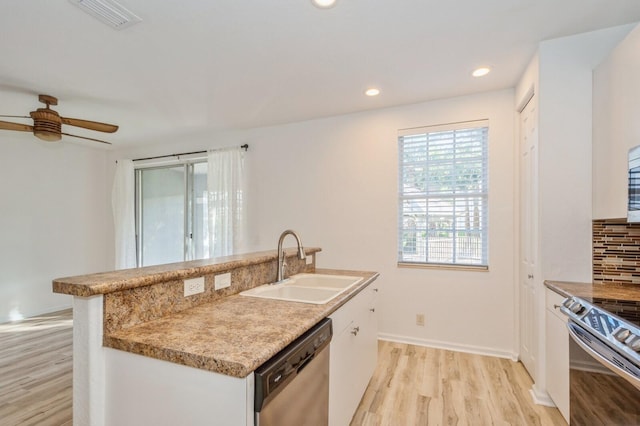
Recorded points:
(171, 213)
(443, 195)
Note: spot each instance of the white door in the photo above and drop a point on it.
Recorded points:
(528, 234)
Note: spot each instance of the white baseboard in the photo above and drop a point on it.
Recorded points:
(540, 397)
(29, 314)
(478, 350)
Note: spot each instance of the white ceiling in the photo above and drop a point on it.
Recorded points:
(227, 64)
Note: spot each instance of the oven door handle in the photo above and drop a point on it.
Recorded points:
(601, 359)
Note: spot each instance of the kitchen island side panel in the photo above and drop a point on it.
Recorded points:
(147, 391)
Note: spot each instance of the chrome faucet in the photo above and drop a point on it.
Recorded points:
(281, 261)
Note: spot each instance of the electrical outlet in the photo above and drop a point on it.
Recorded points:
(193, 286)
(309, 259)
(222, 281)
(420, 320)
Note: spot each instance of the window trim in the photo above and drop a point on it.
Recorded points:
(434, 265)
(402, 196)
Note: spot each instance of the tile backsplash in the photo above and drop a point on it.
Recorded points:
(616, 251)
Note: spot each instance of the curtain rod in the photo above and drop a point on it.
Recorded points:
(245, 147)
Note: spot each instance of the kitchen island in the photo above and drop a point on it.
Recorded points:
(145, 352)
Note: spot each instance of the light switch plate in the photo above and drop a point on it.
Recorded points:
(222, 281)
(193, 286)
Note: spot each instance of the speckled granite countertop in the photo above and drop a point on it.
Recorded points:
(593, 292)
(112, 281)
(233, 335)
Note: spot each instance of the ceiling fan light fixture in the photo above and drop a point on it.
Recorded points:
(109, 12)
(47, 135)
(323, 4)
(46, 124)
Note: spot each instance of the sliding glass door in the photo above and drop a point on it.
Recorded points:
(199, 225)
(171, 213)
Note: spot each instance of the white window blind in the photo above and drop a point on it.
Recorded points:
(443, 194)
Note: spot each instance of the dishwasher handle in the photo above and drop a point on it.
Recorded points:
(303, 362)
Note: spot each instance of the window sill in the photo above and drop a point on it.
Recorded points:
(479, 268)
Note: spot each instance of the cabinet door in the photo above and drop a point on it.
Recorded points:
(365, 340)
(343, 377)
(354, 350)
(369, 330)
(557, 353)
(529, 319)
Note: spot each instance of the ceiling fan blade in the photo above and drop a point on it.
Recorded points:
(83, 137)
(6, 125)
(15, 116)
(91, 125)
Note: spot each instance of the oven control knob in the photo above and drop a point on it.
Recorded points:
(621, 334)
(633, 342)
(576, 307)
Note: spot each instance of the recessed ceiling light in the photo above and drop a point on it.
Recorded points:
(372, 92)
(479, 72)
(323, 4)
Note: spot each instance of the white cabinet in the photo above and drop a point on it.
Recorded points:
(557, 353)
(616, 88)
(354, 354)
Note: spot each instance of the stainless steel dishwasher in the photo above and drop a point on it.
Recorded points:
(292, 388)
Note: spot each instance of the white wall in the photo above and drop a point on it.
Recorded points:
(334, 180)
(616, 125)
(565, 133)
(561, 74)
(52, 220)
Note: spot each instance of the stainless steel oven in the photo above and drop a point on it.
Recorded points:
(605, 365)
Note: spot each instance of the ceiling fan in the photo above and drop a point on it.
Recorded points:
(47, 123)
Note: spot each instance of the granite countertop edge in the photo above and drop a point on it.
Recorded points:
(596, 291)
(233, 335)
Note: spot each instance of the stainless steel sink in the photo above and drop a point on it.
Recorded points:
(306, 288)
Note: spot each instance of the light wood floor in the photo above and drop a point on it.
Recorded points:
(35, 371)
(412, 385)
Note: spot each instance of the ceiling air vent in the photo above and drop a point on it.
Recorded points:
(111, 13)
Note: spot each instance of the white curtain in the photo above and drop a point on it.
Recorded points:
(227, 197)
(123, 206)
